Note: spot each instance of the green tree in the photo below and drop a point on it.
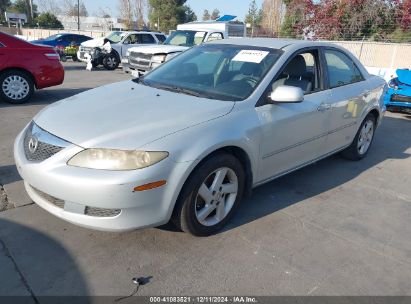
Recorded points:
(48, 20)
(215, 14)
(189, 14)
(4, 4)
(254, 16)
(206, 15)
(168, 13)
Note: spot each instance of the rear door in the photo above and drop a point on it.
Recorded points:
(348, 97)
(3, 55)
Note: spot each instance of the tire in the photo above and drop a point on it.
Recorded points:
(111, 61)
(95, 63)
(63, 58)
(363, 139)
(206, 213)
(16, 86)
(74, 57)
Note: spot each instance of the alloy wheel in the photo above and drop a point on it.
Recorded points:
(216, 196)
(365, 138)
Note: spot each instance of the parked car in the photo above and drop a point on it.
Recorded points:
(187, 141)
(24, 67)
(140, 60)
(398, 97)
(62, 40)
(120, 42)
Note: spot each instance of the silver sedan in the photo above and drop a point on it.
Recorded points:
(186, 142)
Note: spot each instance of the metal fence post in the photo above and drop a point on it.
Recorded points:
(394, 55)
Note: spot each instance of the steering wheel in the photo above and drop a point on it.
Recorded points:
(251, 80)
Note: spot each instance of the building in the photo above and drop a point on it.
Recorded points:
(92, 23)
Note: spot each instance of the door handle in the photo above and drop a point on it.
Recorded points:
(324, 107)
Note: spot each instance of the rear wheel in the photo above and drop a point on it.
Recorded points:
(16, 86)
(363, 139)
(111, 62)
(210, 196)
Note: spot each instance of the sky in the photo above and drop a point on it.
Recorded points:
(227, 7)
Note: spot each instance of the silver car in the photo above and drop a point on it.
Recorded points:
(186, 142)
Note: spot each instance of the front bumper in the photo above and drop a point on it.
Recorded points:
(132, 70)
(68, 192)
(398, 100)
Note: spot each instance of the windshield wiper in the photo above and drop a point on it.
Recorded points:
(179, 90)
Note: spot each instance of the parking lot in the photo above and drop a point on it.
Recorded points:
(333, 228)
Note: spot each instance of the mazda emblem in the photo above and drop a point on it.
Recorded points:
(33, 144)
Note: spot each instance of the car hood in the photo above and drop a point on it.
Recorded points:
(97, 42)
(404, 76)
(159, 49)
(126, 115)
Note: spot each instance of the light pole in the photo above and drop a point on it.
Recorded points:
(78, 15)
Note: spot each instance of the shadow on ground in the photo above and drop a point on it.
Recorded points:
(9, 174)
(32, 262)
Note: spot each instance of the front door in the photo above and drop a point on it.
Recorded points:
(294, 134)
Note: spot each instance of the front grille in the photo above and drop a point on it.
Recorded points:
(39, 145)
(101, 212)
(400, 98)
(90, 211)
(140, 59)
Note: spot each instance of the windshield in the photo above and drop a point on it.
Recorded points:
(215, 71)
(186, 38)
(115, 37)
(52, 37)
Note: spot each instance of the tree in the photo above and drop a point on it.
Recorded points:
(168, 13)
(126, 13)
(51, 6)
(273, 12)
(48, 20)
(23, 7)
(296, 18)
(215, 14)
(190, 16)
(70, 8)
(139, 9)
(254, 16)
(4, 4)
(206, 15)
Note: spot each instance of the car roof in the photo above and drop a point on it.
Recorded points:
(142, 32)
(274, 43)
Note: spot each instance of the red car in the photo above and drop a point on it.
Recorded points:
(25, 66)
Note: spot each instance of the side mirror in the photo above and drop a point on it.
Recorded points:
(287, 94)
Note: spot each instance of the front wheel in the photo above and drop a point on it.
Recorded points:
(363, 139)
(16, 86)
(210, 196)
(111, 62)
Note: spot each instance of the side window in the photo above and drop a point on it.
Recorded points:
(341, 69)
(215, 36)
(132, 39)
(147, 39)
(161, 38)
(301, 71)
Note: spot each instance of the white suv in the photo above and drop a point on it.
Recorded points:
(120, 42)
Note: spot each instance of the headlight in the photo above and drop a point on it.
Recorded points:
(393, 83)
(106, 159)
(158, 58)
